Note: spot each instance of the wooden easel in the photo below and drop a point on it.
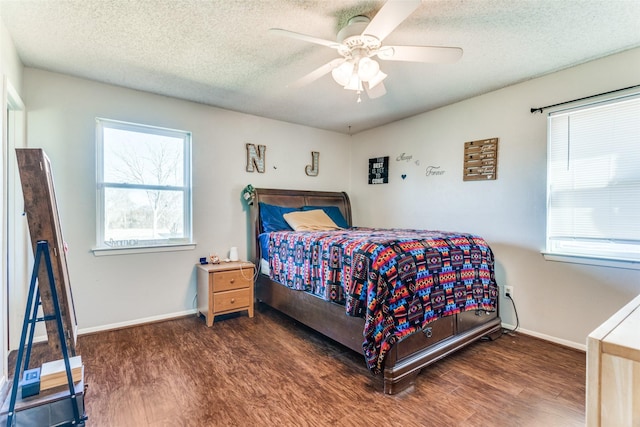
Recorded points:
(26, 342)
(49, 289)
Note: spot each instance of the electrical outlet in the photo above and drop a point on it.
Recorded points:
(508, 290)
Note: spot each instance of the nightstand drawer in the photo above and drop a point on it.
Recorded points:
(231, 300)
(233, 279)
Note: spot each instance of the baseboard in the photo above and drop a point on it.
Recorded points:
(169, 316)
(566, 343)
(136, 322)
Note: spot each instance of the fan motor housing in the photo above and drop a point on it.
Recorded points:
(351, 36)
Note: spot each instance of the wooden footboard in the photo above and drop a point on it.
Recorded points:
(407, 358)
(439, 339)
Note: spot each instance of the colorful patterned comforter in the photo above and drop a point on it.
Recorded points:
(398, 280)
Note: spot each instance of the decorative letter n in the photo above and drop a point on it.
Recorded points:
(255, 157)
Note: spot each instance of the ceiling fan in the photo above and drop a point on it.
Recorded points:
(361, 40)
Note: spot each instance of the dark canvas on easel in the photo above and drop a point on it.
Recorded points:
(44, 224)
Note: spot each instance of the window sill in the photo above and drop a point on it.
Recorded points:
(143, 249)
(628, 264)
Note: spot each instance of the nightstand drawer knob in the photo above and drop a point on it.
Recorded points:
(233, 300)
(232, 281)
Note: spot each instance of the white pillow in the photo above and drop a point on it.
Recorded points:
(313, 220)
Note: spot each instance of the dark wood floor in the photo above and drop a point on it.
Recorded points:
(271, 371)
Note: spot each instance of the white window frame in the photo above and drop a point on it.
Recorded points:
(187, 242)
(619, 252)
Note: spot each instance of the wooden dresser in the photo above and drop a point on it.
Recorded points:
(613, 370)
(225, 288)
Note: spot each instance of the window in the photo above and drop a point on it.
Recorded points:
(593, 181)
(143, 186)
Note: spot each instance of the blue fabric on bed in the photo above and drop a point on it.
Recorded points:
(264, 246)
(271, 217)
(333, 212)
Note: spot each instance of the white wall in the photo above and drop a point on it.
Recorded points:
(117, 290)
(10, 63)
(561, 301)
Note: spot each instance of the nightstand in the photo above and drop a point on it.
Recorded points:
(225, 288)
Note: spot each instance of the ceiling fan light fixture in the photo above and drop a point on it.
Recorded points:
(354, 83)
(367, 69)
(377, 79)
(342, 74)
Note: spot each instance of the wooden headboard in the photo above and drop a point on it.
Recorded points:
(294, 199)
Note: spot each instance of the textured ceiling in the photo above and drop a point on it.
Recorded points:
(220, 52)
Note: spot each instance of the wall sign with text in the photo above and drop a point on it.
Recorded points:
(379, 170)
(480, 160)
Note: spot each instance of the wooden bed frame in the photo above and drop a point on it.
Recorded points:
(407, 358)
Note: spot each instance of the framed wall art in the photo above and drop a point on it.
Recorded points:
(379, 170)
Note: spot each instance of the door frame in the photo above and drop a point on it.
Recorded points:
(14, 252)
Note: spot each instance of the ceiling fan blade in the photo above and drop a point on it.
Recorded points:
(375, 92)
(389, 17)
(304, 37)
(317, 73)
(431, 54)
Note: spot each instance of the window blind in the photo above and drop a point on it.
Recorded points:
(593, 180)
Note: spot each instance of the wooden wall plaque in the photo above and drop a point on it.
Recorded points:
(480, 160)
(44, 224)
